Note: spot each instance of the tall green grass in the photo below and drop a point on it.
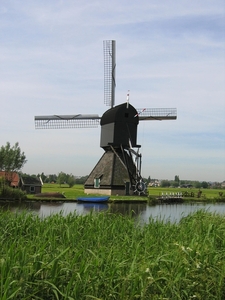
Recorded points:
(109, 256)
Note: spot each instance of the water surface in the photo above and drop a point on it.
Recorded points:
(141, 211)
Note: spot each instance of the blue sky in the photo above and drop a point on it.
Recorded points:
(168, 54)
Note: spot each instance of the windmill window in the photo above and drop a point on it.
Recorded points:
(96, 183)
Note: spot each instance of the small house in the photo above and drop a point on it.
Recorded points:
(30, 184)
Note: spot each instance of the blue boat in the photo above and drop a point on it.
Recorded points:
(93, 199)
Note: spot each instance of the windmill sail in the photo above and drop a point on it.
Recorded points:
(157, 114)
(109, 48)
(66, 121)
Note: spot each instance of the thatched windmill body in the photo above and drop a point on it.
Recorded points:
(119, 169)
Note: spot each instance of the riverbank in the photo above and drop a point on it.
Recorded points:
(108, 256)
(128, 199)
(153, 193)
(156, 195)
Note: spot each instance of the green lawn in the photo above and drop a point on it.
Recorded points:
(78, 190)
(206, 193)
(72, 193)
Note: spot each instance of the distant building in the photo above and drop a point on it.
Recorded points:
(186, 186)
(11, 177)
(30, 184)
(154, 183)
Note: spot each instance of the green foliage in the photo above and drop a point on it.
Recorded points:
(43, 176)
(71, 180)
(165, 183)
(9, 193)
(81, 180)
(204, 184)
(107, 256)
(11, 159)
(64, 178)
(177, 182)
(12, 193)
(50, 178)
(174, 183)
(177, 179)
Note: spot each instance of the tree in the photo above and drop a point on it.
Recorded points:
(177, 179)
(197, 184)
(11, 160)
(51, 178)
(81, 180)
(42, 175)
(71, 180)
(165, 183)
(205, 184)
(62, 178)
(66, 178)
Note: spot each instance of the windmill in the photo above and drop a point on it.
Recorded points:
(119, 169)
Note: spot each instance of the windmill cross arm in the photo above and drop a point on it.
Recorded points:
(67, 121)
(159, 114)
(68, 117)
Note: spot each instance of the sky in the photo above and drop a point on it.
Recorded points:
(169, 54)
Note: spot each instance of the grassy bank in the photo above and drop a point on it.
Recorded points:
(154, 192)
(106, 256)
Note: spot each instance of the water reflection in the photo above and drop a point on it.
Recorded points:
(14, 206)
(66, 208)
(94, 206)
(133, 209)
(174, 212)
(166, 212)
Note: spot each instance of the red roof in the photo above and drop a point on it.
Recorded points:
(13, 177)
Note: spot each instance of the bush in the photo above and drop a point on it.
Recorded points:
(12, 193)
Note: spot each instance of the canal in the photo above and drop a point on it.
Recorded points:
(141, 211)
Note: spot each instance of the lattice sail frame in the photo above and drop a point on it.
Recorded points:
(93, 121)
(66, 121)
(109, 48)
(157, 114)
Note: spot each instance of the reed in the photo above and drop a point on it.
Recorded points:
(110, 256)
